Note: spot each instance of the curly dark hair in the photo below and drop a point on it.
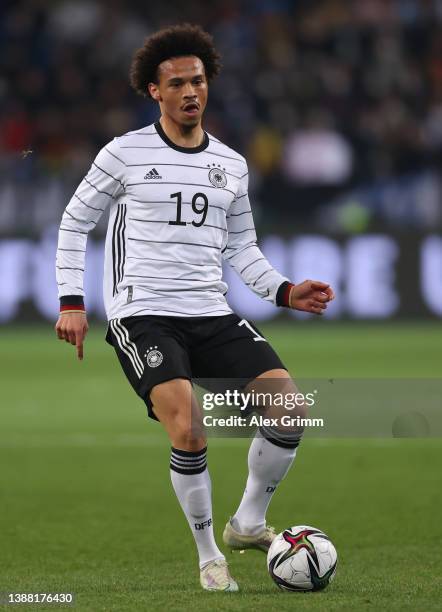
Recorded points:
(174, 41)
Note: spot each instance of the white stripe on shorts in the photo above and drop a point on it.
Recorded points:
(127, 346)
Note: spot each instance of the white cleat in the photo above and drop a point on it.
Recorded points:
(215, 576)
(237, 541)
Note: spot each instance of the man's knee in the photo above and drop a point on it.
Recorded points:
(284, 407)
(279, 394)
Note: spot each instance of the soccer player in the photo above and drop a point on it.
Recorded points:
(178, 205)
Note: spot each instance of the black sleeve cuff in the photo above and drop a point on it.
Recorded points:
(72, 300)
(283, 293)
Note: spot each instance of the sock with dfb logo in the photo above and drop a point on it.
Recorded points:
(192, 486)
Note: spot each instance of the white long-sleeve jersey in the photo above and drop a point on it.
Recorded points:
(175, 213)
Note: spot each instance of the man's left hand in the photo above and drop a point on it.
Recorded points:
(311, 296)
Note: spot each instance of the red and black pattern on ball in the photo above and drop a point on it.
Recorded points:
(297, 542)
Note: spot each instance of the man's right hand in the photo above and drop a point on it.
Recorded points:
(73, 328)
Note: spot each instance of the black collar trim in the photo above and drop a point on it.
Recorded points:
(162, 134)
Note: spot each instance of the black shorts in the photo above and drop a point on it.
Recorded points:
(153, 349)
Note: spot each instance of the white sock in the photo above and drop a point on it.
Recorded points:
(268, 464)
(191, 482)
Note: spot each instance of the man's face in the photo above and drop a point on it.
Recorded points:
(181, 90)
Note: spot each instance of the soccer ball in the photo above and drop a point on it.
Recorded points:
(302, 558)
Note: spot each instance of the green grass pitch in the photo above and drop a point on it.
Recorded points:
(87, 506)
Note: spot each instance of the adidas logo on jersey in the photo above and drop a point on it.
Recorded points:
(153, 174)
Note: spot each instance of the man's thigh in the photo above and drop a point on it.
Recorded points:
(151, 351)
(236, 355)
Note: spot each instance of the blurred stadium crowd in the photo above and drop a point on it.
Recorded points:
(337, 105)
